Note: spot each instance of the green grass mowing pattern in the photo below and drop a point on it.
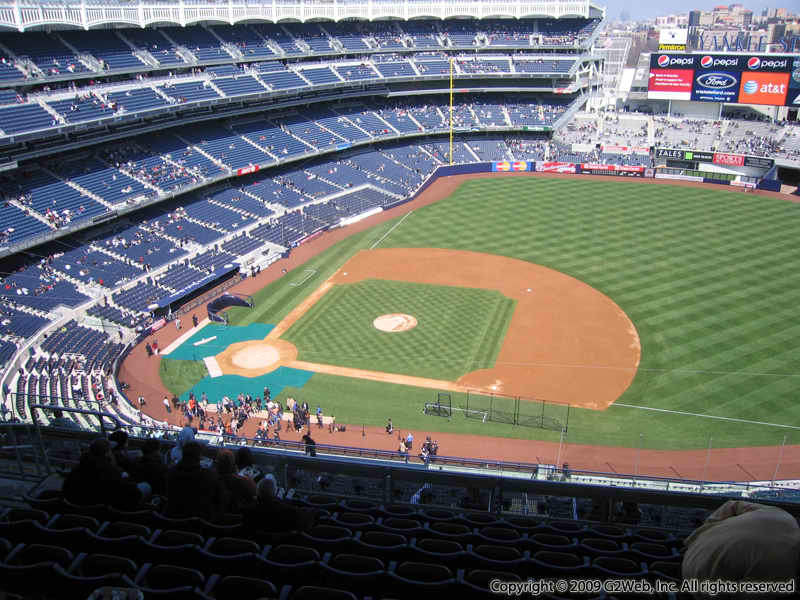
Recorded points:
(709, 278)
(274, 301)
(459, 329)
(179, 376)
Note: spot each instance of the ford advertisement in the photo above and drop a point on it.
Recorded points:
(715, 86)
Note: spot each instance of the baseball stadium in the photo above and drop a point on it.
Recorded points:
(366, 299)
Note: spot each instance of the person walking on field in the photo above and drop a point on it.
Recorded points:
(178, 324)
(166, 404)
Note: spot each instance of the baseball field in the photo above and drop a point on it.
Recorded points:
(664, 316)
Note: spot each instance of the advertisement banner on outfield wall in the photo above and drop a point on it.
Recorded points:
(507, 166)
(758, 162)
(679, 177)
(555, 167)
(619, 170)
(674, 153)
(730, 160)
(743, 184)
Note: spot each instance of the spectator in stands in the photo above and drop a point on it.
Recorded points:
(193, 491)
(151, 467)
(97, 480)
(120, 451)
(64, 423)
(185, 436)
(743, 541)
(244, 463)
(311, 445)
(240, 491)
(271, 515)
(402, 449)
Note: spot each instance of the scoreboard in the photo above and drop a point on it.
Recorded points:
(768, 79)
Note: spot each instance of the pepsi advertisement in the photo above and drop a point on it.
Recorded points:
(769, 79)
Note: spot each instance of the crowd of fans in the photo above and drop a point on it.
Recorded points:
(45, 277)
(165, 174)
(185, 483)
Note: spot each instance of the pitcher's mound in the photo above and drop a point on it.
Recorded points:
(394, 322)
(256, 356)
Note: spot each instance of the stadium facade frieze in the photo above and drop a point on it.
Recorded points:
(21, 15)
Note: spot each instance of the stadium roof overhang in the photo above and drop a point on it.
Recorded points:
(142, 13)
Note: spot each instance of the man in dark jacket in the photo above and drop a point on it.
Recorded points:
(97, 480)
(272, 515)
(193, 491)
(151, 467)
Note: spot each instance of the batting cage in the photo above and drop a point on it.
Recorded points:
(217, 305)
(441, 407)
(514, 410)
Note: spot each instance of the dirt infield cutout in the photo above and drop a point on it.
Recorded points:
(394, 323)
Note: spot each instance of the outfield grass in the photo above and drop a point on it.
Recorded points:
(709, 278)
(179, 376)
(459, 329)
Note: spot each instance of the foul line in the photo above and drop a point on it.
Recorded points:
(680, 412)
(395, 226)
(309, 273)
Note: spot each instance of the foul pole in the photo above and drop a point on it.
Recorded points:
(451, 110)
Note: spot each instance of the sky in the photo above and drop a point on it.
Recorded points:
(646, 10)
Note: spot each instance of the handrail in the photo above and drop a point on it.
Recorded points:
(475, 473)
(81, 411)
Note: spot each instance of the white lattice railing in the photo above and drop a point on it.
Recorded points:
(86, 14)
